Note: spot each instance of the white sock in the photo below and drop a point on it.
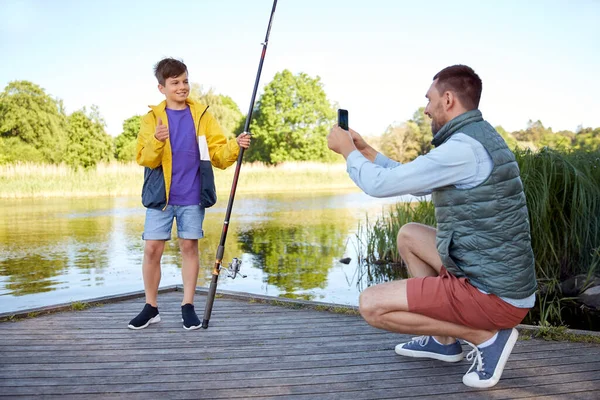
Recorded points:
(488, 342)
(439, 342)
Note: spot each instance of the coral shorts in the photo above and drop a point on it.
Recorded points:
(448, 298)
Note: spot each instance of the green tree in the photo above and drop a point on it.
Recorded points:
(126, 142)
(397, 143)
(560, 140)
(291, 121)
(533, 134)
(222, 107)
(13, 149)
(88, 142)
(508, 137)
(28, 113)
(587, 139)
(406, 141)
(423, 134)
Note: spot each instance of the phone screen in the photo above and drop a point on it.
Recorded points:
(343, 119)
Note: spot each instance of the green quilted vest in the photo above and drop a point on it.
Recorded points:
(483, 232)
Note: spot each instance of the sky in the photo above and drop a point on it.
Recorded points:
(538, 59)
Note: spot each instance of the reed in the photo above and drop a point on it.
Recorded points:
(120, 179)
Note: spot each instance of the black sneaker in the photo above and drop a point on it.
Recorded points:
(149, 315)
(189, 317)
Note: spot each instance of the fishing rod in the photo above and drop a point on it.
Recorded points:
(234, 266)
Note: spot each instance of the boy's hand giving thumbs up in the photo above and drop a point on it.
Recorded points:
(162, 132)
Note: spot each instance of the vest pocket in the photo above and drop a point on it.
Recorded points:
(444, 245)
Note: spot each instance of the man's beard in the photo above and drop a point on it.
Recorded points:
(436, 121)
(435, 126)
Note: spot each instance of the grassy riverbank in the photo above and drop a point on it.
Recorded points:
(117, 179)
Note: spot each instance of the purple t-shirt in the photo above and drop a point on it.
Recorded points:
(185, 178)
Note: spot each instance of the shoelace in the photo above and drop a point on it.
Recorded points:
(421, 340)
(477, 356)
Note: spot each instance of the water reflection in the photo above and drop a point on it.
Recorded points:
(297, 250)
(32, 273)
(60, 250)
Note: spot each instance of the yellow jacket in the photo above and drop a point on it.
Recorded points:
(152, 153)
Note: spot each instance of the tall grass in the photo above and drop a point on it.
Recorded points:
(377, 250)
(47, 180)
(563, 198)
(287, 177)
(118, 179)
(378, 240)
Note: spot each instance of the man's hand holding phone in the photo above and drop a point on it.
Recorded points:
(339, 139)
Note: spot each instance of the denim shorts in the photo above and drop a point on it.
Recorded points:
(159, 223)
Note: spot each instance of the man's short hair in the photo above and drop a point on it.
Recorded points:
(168, 68)
(463, 81)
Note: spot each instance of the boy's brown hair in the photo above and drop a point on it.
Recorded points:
(168, 68)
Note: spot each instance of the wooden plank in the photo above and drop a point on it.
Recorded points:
(103, 299)
(251, 380)
(195, 352)
(232, 325)
(406, 387)
(273, 341)
(316, 369)
(16, 345)
(283, 370)
(119, 329)
(350, 368)
(269, 319)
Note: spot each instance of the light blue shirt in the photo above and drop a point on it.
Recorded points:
(461, 161)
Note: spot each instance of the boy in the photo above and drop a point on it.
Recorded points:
(175, 141)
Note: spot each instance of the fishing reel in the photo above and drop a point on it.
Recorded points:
(234, 269)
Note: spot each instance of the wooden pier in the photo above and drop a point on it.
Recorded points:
(258, 348)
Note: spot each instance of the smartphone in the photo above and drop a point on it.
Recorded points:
(343, 119)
